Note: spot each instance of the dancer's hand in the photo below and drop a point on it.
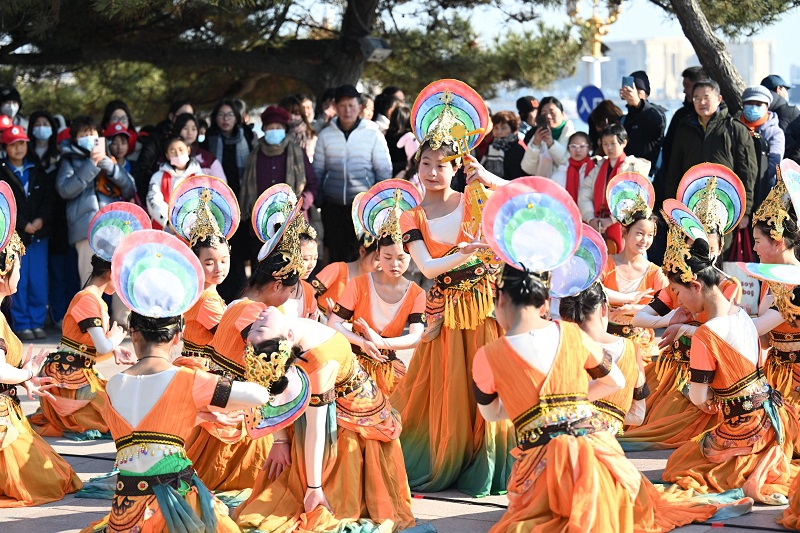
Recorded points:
(669, 335)
(279, 458)
(637, 297)
(371, 350)
(369, 333)
(314, 498)
(330, 304)
(34, 364)
(116, 333)
(681, 316)
(39, 387)
(123, 356)
(469, 248)
(475, 171)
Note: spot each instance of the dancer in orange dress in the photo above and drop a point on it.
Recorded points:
(446, 441)
(570, 473)
(380, 305)
(752, 448)
(153, 405)
(205, 214)
(329, 283)
(31, 472)
(87, 338)
(717, 198)
(225, 456)
(344, 469)
(630, 279)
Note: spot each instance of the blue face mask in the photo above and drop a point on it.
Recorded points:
(754, 112)
(42, 133)
(87, 143)
(274, 136)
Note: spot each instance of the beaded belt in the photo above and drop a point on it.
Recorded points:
(462, 279)
(148, 437)
(620, 330)
(784, 358)
(578, 428)
(792, 336)
(143, 485)
(74, 360)
(70, 346)
(746, 395)
(610, 409)
(391, 354)
(556, 415)
(680, 351)
(191, 349)
(355, 381)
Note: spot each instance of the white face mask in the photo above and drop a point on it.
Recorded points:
(201, 138)
(9, 109)
(179, 161)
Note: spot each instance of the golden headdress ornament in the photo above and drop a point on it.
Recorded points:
(629, 194)
(784, 297)
(13, 250)
(449, 112)
(266, 368)
(381, 206)
(10, 243)
(391, 226)
(285, 240)
(774, 210)
(683, 224)
(203, 207)
(709, 210)
(205, 226)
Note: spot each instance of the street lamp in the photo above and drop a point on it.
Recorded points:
(597, 28)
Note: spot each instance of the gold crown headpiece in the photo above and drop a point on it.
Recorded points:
(677, 252)
(639, 205)
(391, 226)
(784, 296)
(709, 210)
(266, 368)
(205, 225)
(13, 250)
(289, 247)
(774, 210)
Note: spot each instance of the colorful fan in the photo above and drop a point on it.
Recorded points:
(156, 275)
(583, 268)
(685, 219)
(532, 222)
(8, 214)
(272, 242)
(378, 201)
(270, 208)
(467, 107)
(221, 202)
(113, 223)
(628, 193)
(728, 189)
(786, 274)
(790, 172)
(283, 410)
(354, 213)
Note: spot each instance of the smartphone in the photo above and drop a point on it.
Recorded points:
(100, 147)
(541, 121)
(627, 81)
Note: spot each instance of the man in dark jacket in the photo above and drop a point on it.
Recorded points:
(34, 196)
(644, 122)
(711, 135)
(786, 112)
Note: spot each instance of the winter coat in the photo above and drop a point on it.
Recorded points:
(586, 190)
(77, 182)
(666, 146)
(157, 204)
(725, 140)
(645, 125)
(347, 166)
(543, 161)
(775, 140)
(787, 113)
(35, 201)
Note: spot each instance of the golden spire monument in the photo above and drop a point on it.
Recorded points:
(596, 27)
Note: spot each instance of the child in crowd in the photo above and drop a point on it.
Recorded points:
(592, 191)
(578, 166)
(34, 194)
(187, 127)
(178, 167)
(119, 146)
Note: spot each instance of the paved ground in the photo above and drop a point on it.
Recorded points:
(457, 514)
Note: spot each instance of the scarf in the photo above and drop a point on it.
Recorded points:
(603, 176)
(574, 175)
(757, 124)
(556, 132)
(216, 142)
(505, 143)
(299, 132)
(295, 172)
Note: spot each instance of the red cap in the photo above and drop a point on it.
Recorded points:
(14, 134)
(114, 129)
(63, 135)
(274, 114)
(5, 122)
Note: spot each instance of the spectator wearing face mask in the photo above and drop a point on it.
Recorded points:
(43, 150)
(300, 129)
(767, 135)
(10, 105)
(277, 159)
(187, 127)
(88, 179)
(179, 166)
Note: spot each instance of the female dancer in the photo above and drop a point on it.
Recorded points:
(630, 278)
(76, 412)
(32, 472)
(329, 283)
(226, 457)
(204, 213)
(381, 304)
(752, 448)
(717, 198)
(153, 404)
(446, 441)
(539, 375)
(344, 466)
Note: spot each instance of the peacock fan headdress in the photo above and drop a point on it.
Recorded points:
(715, 194)
(785, 195)
(10, 243)
(629, 194)
(204, 208)
(382, 204)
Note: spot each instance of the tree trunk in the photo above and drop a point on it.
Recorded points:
(711, 51)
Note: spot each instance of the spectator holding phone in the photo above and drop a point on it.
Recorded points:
(88, 179)
(548, 147)
(645, 122)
